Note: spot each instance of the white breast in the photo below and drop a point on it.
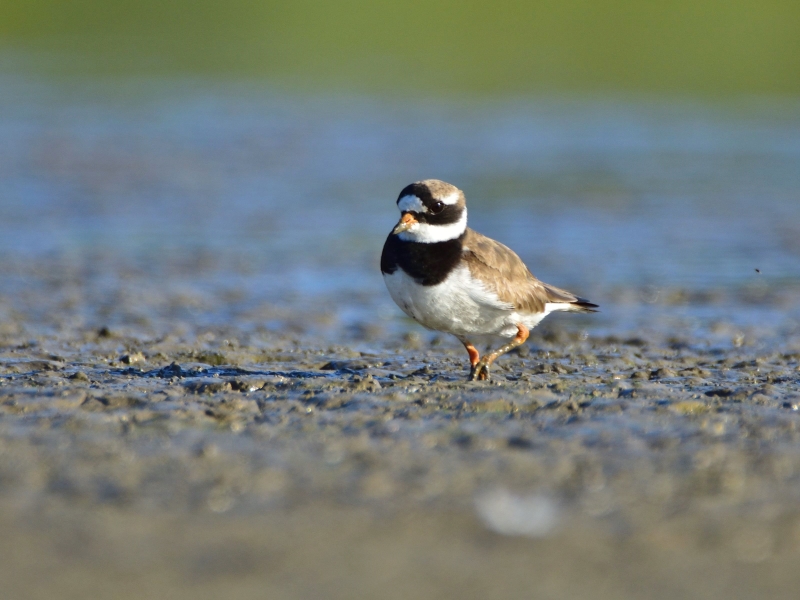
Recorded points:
(460, 305)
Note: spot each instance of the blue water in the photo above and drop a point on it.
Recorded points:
(291, 197)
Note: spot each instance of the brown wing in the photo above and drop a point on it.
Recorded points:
(504, 273)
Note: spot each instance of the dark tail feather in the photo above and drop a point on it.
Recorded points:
(579, 304)
(583, 305)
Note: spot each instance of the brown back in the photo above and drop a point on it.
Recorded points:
(504, 273)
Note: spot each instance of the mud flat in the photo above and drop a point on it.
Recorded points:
(206, 392)
(149, 449)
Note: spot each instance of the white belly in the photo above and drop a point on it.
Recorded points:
(459, 305)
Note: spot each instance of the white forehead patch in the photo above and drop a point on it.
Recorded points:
(411, 204)
(451, 198)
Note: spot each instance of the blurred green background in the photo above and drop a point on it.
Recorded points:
(415, 47)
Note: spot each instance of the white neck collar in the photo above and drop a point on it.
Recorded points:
(425, 233)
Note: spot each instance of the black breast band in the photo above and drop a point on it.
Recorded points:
(427, 264)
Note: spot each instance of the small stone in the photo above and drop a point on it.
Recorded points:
(696, 371)
(247, 385)
(366, 384)
(348, 365)
(210, 385)
(663, 373)
(426, 370)
(132, 358)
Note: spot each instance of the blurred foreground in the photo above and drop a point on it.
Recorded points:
(244, 459)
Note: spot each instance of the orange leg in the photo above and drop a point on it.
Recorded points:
(474, 355)
(480, 370)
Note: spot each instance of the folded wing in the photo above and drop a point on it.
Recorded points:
(505, 275)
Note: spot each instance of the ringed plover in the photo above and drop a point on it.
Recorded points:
(452, 279)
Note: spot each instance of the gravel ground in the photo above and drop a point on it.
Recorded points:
(159, 455)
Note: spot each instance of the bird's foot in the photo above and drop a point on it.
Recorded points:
(480, 372)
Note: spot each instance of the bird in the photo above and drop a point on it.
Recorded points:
(452, 279)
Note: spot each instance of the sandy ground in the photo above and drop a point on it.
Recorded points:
(148, 452)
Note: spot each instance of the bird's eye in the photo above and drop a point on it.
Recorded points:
(437, 207)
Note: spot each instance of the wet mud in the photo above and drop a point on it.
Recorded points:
(206, 391)
(322, 456)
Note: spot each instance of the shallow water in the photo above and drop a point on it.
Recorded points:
(201, 372)
(287, 197)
